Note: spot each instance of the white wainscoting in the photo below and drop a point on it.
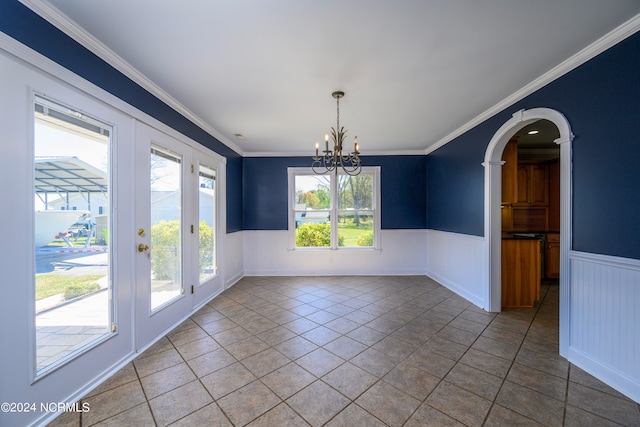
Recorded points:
(458, 262)
(605, 319)
(267, 253)
(234, 268)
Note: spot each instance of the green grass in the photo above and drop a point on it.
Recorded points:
(71, 286)
(351, 232)
(76, 243)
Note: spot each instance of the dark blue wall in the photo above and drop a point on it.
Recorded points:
(19, 22)
(601, 100)
(402, 190)
(234, 194)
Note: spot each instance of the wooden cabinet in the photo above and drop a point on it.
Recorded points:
(529, 219)
(552, 256)
(532, 207)
(509, 183)
(520, 272)
(532, 184)
(506, 212)
(554, 195)
(510, 172)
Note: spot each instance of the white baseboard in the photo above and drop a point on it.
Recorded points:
(630, 387)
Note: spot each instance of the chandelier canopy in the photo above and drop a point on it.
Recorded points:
(330, 160)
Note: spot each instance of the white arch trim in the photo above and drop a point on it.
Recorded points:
(492, 216)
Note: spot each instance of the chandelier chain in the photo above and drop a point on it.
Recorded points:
(338, 114)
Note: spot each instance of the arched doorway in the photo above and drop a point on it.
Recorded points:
(492, 198)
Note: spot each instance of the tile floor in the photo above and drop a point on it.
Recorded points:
(356, 351)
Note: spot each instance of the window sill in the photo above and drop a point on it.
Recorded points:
(341, 249)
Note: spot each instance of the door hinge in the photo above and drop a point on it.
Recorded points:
(114, 327)
(191, 228)
(192, 168)
(193, 289)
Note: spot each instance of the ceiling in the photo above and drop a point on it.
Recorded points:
(414, 72)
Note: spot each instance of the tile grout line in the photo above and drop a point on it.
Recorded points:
(441, 380)
(144, 393)
(198, 378)
(342, 316)
(351, 401)
(513, 361)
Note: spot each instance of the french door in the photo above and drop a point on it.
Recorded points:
(209, 225)
(113, 233)
(176, 236)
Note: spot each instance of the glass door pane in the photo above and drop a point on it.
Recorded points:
(166, 226)
(73, 303)
(207, 223)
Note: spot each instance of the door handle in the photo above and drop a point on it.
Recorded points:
(142, 247)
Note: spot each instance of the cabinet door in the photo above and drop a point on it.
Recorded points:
(523, 185)
(554, 196)
(533, 185)
(510, 173)
(552, 256)
(520, 267)
(539, 185)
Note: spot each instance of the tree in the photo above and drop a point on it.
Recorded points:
(324, 198)
(165, 246)
(206, 247)
(310, 199)
(356, 192)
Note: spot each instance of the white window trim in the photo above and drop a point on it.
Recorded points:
(292, 172)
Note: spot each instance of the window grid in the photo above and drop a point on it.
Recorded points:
(349, 219)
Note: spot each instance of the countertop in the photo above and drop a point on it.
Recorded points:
(518, 236)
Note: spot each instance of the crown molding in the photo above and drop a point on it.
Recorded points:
(612, 38)
(22, 53)
(310, 153)
(70, 28)
(77, 33)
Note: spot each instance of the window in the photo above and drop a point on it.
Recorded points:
(207, 223)
(73, 267)
(334, 211)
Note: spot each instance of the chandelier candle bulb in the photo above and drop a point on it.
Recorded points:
(317, 146)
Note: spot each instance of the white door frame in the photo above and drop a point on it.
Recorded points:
(492, 215)
(214, 285)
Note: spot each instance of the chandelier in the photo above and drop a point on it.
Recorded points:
(330, 160)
